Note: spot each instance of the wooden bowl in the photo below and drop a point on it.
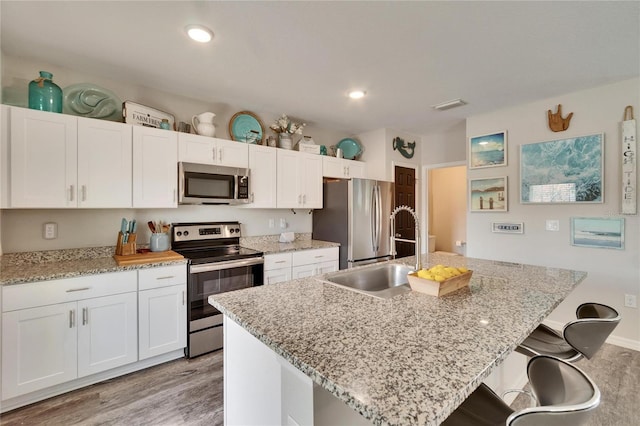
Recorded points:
(435, 288)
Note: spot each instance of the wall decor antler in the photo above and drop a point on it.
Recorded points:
(556, 122)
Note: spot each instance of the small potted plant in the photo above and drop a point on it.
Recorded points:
(284, 127)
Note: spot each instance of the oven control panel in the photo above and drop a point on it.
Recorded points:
(205, 231)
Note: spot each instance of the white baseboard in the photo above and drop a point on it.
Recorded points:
(623, 342)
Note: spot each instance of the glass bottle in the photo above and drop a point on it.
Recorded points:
(165, 124)
(44, 94)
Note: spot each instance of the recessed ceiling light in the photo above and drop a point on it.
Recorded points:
(357, 94)
(199, 33)
(449, 104)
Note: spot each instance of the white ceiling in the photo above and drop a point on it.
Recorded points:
(302, 57)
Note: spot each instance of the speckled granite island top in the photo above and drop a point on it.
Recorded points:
(269, 244)
(407, 360)
(19, 268)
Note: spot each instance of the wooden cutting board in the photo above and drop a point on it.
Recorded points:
(148, 257)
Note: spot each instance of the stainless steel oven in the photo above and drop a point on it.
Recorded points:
(216, 264)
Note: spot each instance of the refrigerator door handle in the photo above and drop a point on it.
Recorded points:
(379, 215)
(372, 217)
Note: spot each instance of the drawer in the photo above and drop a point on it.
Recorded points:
(277, 261)
(42, 293)
(306, 257)
(163, 276)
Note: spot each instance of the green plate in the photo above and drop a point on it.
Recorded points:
(243, 126)
(350, 148)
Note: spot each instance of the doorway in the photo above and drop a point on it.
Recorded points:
(405, 195)
(447, 207)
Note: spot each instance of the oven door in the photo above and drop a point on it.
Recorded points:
(220, 277)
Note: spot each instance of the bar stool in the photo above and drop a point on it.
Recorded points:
(580, 338)
(564, 394)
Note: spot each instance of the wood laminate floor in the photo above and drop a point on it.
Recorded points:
(189, 392)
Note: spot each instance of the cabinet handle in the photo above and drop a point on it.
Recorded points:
(84, 192)
(299, 199)
(347, 170)
(281, 261)
(213, 151)
(71, 290)
(174, 195)
(318, 257)
(220, 154)
(85, 316)
(252, 197)
(168, 277)
(72, 318)
(183, 298)
(71, 192)
(304, 199)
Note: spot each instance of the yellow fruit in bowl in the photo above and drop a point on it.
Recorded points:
(463, 270)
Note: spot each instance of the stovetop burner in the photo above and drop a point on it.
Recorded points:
(209, 242)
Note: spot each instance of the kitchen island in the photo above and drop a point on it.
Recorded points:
(411, 359)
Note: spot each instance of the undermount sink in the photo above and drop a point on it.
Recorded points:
(384, 281)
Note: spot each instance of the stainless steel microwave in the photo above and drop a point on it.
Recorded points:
(208, 184)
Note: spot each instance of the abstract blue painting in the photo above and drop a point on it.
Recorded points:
(488, 150)
(563, 171)
(597, 232)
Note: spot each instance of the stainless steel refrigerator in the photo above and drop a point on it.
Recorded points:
(356, 215)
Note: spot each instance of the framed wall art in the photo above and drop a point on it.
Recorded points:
(599, 232)
(488, 195)
(563, 171)
(488, 150)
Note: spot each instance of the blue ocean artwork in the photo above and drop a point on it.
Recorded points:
(597, 232)
(562, 171)
(488, 194)
(488, 150)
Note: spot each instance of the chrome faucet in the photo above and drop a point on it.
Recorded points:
(394, 236)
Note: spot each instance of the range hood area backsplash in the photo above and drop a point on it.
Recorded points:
(21, 230)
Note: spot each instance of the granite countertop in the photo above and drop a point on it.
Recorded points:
(20, 268)
(411, 359)
(269, 244)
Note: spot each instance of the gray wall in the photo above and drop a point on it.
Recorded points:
(612, 273)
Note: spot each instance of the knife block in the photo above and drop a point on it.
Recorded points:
(128, 248)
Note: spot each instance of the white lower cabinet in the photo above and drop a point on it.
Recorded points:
(61, 334)
(60, 330)
(299, 264)
(162, 310)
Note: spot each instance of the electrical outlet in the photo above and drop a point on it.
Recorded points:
(50, 231)
(630, 301)
(283, 223)
(553, 225)
(272, 223)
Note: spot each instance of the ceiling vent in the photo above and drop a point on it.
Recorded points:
(449, 104)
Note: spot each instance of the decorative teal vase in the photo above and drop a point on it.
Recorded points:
(44, 94)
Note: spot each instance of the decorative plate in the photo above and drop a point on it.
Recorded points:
(246, 127)
(89, 100)
(350, 148)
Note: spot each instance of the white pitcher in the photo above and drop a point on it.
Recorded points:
(203, 124)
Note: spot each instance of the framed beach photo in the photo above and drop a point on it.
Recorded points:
(488, 195)
(488, 150)
(563, 171)
(598, 232)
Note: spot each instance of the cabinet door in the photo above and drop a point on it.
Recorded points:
(107, 333)
(333, 167)
(43, 157)
(163, 320)
(155, 167)
(277, 275)
(310, 168)
(38, 348)
(196, 149)
(104, 164)
(263, 177)
(326, 267)
(355, 169)
(232, 154)
(304, 271)
(289, 194)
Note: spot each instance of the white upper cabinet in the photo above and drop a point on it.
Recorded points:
(63, 161)
(206, 150)
(299, 180)
(262, 177)
(104, 164)
(43, 147)
(155, 167)
(341, 168)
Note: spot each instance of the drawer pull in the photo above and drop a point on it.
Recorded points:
(72, 318)
(71, 290)
(85, 316)
(281, 261)
(168, 277)
(318, 257)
